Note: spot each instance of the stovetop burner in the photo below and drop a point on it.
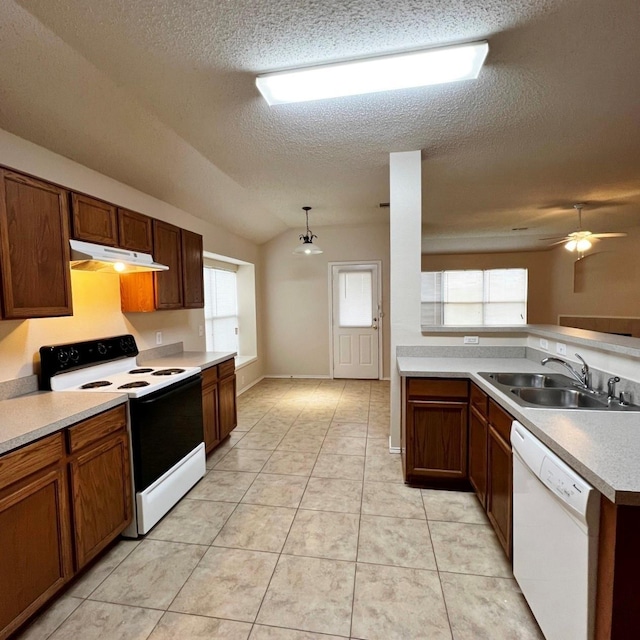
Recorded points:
(167, 372)
(96, 384)
(145, 370)
(134, 385)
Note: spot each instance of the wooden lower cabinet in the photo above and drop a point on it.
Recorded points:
(478, 441)
(100, 479)
(219, 403)
(210, 414)
(35, 538)
(59, 507)
(435, 432)
(500, 488)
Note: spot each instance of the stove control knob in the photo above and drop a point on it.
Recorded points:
(63, 356)
(102, 349)
(74, 355)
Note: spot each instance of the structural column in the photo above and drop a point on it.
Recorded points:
(405, 232)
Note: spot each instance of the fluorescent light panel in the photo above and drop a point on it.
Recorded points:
(370, 75)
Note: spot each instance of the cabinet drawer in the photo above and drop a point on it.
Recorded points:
(209, 376)
(479, 400)
(500, 420)
(19, 464)
(226, 368)
(437, 388)
(96, 428)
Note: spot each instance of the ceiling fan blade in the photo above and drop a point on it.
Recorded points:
(559, 238)
(559, 241)
(608, 235)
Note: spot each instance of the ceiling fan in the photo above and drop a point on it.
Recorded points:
(582, 240)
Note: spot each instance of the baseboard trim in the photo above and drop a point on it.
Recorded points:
(299, 377)
(251, 384)
(393, 449)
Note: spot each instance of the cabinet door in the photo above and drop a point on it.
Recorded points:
(100, 495)
(35, 546)
(436, 439)
(93, 220)
(227, 406)
(499, 489)
(192, 270)
(478, 454)
(210, 417)
(167, 250)
(34, 248)
(134, 231)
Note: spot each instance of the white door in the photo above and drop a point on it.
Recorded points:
(355, 320)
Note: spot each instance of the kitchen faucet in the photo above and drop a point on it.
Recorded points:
(583, 378)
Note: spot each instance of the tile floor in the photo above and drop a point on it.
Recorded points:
(302, 529)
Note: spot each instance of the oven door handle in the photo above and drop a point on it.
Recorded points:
(161, 394)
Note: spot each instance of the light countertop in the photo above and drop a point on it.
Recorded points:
(26, 418)
(602, 446)
(202, 359)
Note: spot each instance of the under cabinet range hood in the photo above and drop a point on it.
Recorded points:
(87, 256)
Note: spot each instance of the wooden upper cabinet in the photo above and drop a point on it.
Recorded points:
(93, 220)
(34, 248)
(135, 231)
(192, 270)
(167, 250)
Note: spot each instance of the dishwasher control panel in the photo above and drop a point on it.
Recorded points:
(562, 484)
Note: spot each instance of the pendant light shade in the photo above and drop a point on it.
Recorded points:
(307, 248)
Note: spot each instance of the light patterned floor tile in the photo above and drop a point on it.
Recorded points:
(389, 499)
(322, 534)
(256, 527)
(394, 603)
(222, 486)
(453, 506)
(228, 583)
(151, 575)
(243, 460)
(328, 494)
(296, 463)
(180, 626)
(329, 465)
(275, 490)
(310, 594)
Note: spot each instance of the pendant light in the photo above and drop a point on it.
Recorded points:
(307, 248)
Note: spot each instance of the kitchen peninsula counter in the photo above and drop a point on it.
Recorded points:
(27, 418)
(602, 446)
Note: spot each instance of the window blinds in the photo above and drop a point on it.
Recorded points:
(474, 297)
(221, 310)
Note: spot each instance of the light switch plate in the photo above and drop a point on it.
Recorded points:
(158, 337)
(471, 340)
(561, 349)
(544, 344)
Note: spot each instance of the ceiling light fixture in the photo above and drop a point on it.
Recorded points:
(307, 247)
(370, 75)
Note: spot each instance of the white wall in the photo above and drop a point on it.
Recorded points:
(96, 297)
(296, 295)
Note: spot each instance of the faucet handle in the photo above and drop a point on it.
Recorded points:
(611, 386)
(623, 399)
(585, 366)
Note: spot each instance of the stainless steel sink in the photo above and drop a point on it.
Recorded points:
(537, 380)
(552, 391)
(560, 398)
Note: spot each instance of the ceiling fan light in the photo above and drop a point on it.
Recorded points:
(571, 245)
(583, 244)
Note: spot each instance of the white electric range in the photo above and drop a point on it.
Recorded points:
(165, 408)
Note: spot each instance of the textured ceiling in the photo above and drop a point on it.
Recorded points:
(160, 94)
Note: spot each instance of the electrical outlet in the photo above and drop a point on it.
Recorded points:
(544, 344)
(471, 340)
(561, 349)
(200, 330)
(158, 337)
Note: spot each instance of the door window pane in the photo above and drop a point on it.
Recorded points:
(355, 302)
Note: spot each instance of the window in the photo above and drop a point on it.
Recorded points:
(458, 298)
(221, 309)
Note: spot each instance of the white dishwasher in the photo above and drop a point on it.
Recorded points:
(555, 539)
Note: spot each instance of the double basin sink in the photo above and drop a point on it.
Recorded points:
(552, 391)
